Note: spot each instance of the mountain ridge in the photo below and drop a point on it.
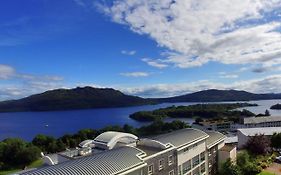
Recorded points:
(90, 97)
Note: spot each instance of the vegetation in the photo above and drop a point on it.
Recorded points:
(258, 145)
(247, 164)
(218, 111)
(78, 98)
(276, 140)
(16, 154)
(276, 106)
(89, 97)
(266, 114)
(214, 95)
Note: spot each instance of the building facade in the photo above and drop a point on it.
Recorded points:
(183, 152)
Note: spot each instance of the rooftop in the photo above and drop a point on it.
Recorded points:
(116, 160)
(264, 130)
(228, 148)
(256, 120)
(108, 140)
(214, 137)
(181, 137)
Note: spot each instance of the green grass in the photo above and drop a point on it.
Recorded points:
(34, 164)
(266, 173)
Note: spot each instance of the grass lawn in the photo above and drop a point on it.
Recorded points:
(266, 173)
(34, 164)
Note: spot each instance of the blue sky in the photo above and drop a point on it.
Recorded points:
(147, 48)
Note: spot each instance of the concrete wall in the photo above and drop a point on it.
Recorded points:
(188, 153)
(242, 139)
(224, 155)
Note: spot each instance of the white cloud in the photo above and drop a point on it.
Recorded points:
(154, 63)
(21, 85)
(269, 84)
(80, 3)
(197, 32)
(6, 71)
(128, 52)
(227, 75)
(135, 74)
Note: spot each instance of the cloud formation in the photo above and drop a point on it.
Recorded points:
(128, 52)
(154, 63)
(6, 71)
(197, 32)
(19, 85)
(135, 74)
(268, 84)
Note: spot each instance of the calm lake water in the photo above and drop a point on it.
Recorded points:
(26, 125)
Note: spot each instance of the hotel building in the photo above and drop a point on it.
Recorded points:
(184, 152)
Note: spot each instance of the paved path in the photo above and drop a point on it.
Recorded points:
(274, 168)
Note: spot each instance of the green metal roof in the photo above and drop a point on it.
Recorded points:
(106, 163)
(214, 137)
(181, 137)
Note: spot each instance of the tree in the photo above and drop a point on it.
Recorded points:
(47, 144)
(16, 153)
(276, 140)
(246, 165)
(267, 113)
(228, 168)
(258, 144)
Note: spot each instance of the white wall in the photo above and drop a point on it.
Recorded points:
(242, 139)
(184, 156)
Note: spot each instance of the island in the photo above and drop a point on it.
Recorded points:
(276, 107)
(224, 110)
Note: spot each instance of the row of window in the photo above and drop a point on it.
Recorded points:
(161, 165)
(197, 171)
(187, 166)
(191, 147)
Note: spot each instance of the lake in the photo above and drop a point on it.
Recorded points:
(26, 125)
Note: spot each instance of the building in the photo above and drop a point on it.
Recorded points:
(214, 125)
(269, 121)
(184, 152)
(227, 152)
(246, 133)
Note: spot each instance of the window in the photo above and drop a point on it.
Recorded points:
(196, 172)
(171, 172)
(170, 160)
(186, 166)
(161, 164)
(150, 169)
(203, 168)
(195, 161)
(202, 156)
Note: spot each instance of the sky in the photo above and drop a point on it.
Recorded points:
(148, 48)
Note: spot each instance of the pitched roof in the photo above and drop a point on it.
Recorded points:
(181, 137)
(214, 137)
(263, 130)
(106, 163)
(255, 120)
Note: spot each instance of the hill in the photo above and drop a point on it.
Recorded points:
(89, 97)
(214, 95)
(276, 106)
(68, 99)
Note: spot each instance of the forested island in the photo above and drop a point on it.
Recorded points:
(226, 110)
(276, 107)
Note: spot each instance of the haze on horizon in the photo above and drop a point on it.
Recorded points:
(148, 48)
